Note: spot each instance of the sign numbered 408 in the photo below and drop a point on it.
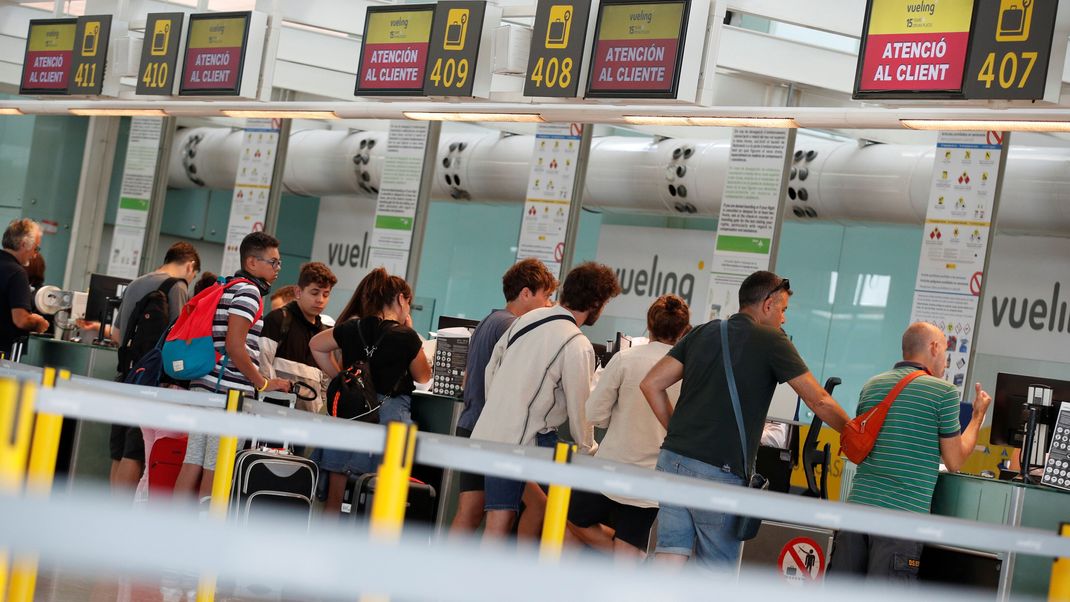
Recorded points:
(552, 72)
(1006, 72)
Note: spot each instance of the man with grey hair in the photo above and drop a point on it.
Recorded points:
(22, 240)
(921, 429)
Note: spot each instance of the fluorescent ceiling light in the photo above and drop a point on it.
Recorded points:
(10, 111)
(490, 117)
(983, 125)
(265, 114)
(729, 122)
(119, 112)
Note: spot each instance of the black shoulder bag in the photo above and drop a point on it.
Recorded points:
(351, 394)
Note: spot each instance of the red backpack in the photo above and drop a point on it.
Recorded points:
(189, 350)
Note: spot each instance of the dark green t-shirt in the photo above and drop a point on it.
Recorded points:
(703, 426)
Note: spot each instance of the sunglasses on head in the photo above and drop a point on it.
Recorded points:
(785, 285)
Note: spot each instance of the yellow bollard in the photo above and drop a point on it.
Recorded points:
(39, 476)
(392, 482)
(221, 484)
(556, 519)
(1059, 590)
(16, 419)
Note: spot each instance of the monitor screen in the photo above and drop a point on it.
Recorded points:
(452, 322)
(100, 288)
(1008, 405)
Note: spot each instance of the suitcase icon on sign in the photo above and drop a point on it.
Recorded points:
(1015, 16)
(560, 25)
(91, 38)
(456, 29)
(161, 34)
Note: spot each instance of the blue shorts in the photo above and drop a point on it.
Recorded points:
(680, 530)
(505, 494)
(393, 409)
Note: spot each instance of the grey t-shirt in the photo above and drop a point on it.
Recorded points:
(480, 348)
(144, 285)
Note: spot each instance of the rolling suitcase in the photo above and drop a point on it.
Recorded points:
(360, 490)
(272, 480)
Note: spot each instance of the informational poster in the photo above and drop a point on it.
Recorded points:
(252, 187)
(215, 53)
(159, 54)
(394, 53)
(637, 49)
(912, 47)
(750, 211)
(955, 241)
(549, 196)
(399, 195)
(46, 67)
(650, 262)
(556, 53)
(135, 194)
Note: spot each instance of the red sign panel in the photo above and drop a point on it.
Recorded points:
(394, 54)
(49, 55)
(636, 51)
(214, 53)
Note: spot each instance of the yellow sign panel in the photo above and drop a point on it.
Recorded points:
(161, 35)
(1015, 17)
(456, 29)
(52, 37)
(217, 33)
(557, 31)
(399, 27)
(920, 16)
(648, 21)
(91, 38)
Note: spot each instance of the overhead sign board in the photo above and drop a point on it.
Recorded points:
(456, 37)
(914, 48)
(638, 49)
(90, 56)
(557, 42)
(393, 56)
(49, 53)
(215, 54)
(159, 54)
(1010, 50)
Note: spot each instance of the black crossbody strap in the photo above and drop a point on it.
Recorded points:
(523, 331)
(734, 394)
(370, 351)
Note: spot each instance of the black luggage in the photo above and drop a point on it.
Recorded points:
(360, 489)
(272, 480)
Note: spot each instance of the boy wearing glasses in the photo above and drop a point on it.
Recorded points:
(703, 437)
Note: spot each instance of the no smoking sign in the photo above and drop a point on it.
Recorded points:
(802, 560)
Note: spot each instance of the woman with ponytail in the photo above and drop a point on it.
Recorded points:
(617, 524)
(377, 316)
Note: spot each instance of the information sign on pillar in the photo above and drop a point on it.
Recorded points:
(252, 187)
(751, 212)
(958, 231)
(135, 194)
(551, 186)
(90, 58)
(459, 61)
(393, 56)
(46, 66)
(555, 60)
(159, 54)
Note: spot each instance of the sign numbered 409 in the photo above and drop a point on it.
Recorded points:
(450, 72)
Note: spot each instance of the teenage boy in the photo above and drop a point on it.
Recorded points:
(284, 350)
(236, 336)
(527, 285)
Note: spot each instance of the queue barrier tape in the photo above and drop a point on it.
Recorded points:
(535, 464)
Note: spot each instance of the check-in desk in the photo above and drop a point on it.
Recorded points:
(1001, 502)
(438, 414)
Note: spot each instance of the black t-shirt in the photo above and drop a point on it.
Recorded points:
(14, 294)
(390, 362)
(294, 345)
(703, 425)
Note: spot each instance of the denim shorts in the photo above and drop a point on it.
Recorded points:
(393, 409)
(505, 494)
(682, 530)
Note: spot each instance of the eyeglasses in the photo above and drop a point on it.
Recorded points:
(274, 263)
(37, 249)
(785, 285)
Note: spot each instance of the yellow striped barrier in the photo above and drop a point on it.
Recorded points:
(1059, 590)
(16, 419)
(556, 518)
(392, 482)
(221, 484)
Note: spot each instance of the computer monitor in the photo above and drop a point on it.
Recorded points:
(453, 322)
(1008, 406)
(101, 288)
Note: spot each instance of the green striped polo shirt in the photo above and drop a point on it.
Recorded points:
(900, 472)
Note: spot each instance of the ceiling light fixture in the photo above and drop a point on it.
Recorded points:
(983, 125)
(743, 122)
(488, 117)
(10, 111)
(264, 114)
(118, 112)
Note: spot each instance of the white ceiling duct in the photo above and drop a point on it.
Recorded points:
(830, 180)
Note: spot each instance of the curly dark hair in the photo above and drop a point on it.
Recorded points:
(530, 274)
(589, 286)
(316, 273)
(668, 318)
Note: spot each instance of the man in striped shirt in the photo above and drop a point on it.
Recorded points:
(920, 431)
